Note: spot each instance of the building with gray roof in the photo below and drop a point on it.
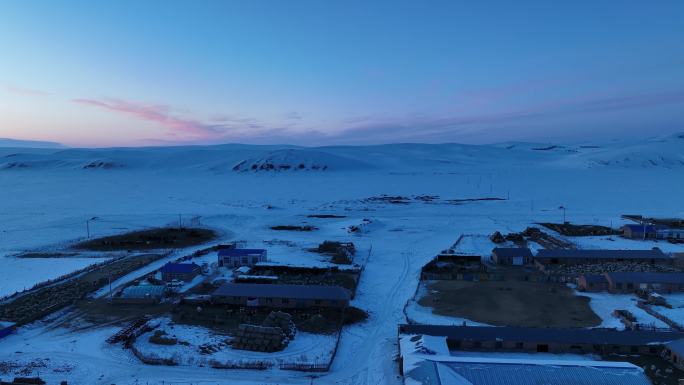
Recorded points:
(281, 296)
(554, 340)
(628, 282)
(581, 256)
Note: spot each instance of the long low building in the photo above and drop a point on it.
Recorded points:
(552, 340)
(582, 256)
(426, 360)
(628, 282)
(499, 371)
(281, 296)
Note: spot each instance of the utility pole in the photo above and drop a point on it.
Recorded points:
(644, 224)
(180, 222)
(88, 228)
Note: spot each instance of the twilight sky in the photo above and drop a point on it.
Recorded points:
(157, 72)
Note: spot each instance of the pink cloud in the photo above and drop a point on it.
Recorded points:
(158, 114)
(10, 88)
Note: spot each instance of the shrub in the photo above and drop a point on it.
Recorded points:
(159, 338)
(354, 315)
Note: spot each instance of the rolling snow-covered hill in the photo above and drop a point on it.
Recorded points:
(667, 152)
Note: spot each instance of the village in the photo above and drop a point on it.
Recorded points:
(525, 308)
(501, 301)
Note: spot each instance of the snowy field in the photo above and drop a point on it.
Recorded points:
(603, 304)
(22, 273)
(46, 197)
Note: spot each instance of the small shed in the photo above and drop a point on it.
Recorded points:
(638, 231)
(516, 256)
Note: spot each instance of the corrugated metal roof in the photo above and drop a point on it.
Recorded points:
(179, 267)
(240, 252)
(647, 277)
(545, 335)
(314, 292)
(487, 373)
(512, 252)
(143, 291)
(602, 254)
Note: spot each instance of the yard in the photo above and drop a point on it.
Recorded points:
(510, 303)
(192, 345)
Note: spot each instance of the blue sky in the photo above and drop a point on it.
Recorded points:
(125, 73)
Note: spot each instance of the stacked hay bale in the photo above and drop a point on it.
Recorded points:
(260, 338)
(283, 321)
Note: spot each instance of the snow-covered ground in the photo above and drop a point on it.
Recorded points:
(305, 348)
(46, 196)
(676, 313)
(19, 274)
(603, 304)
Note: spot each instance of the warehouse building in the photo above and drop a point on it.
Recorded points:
(628, 282)
(580, 256)
(547, 340)
(426, 360)
(281, 296)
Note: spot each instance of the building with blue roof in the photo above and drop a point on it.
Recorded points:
(241, 257)
(180, 271)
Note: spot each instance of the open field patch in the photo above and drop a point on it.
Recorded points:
(161, 238)
(510, 303)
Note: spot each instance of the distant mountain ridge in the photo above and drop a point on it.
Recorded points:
(18, 143)
(662, 152)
